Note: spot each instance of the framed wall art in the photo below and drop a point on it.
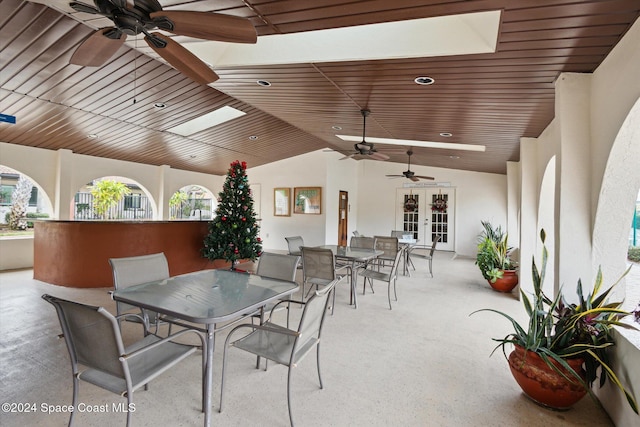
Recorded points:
(307, 200)
(281, 202)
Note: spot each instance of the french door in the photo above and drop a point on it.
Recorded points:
(425, 212)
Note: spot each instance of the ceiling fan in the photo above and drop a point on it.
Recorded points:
(409, 173)
(364, 148)
(132, 17)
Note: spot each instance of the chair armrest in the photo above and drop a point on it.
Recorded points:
(144, 321)
(288, 301)
(163, 341)
(281, 331)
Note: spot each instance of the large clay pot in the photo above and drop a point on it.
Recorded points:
(542, 384)
(507, 282)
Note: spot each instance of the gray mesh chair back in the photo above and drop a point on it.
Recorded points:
(319, 269)
(390, 277)
(294, 243)
(390, 246)
(356, 233)
(278, 266)
(94, 342)
(429, 257)
(398, 233)
(283, 345)
(319, 266)
(363, 242)
(135, 270)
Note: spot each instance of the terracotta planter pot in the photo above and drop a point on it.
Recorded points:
(542, 384)
(508, 281)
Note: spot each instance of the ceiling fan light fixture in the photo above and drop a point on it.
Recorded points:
(424, 80)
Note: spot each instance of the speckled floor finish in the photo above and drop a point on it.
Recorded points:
(424, 363)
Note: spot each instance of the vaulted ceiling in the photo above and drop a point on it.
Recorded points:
(491, 99)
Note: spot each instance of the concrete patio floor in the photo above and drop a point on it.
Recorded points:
(424, 363)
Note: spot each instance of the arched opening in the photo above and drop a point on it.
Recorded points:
(614, 214)
(39, 204)
(137, 204)
(192, 202)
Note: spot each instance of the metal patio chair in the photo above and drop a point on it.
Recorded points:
(282, 345)
(277, 266)
(93, 339)
(135, 270)
(319, 269)
(388, 277)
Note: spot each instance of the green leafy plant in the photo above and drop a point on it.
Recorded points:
(178, 199)
(493, 256)
(559, 330)
(106, 194)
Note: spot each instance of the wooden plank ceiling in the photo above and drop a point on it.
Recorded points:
(492, 99)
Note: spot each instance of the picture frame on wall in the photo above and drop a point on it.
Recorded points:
(307, 200)
(282, 201)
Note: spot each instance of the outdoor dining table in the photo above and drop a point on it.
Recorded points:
(209, 298)
(355, 256)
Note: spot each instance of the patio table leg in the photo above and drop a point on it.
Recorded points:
(208, 376)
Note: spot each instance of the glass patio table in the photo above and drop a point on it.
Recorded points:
(355, 256)
(209, 298)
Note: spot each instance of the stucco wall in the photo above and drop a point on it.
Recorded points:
(60, 174)
(16, 252)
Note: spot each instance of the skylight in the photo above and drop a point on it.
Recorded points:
(207, 121)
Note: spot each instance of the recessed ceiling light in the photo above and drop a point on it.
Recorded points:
(264, 83)
(159, 105)
(93, 135)
(446, 134)
(336, 127)
(424, 80)
(253, 137)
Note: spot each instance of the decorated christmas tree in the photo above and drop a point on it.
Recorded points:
(233, 233)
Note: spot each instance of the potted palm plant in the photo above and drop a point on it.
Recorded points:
(494, 258)
(564, 348)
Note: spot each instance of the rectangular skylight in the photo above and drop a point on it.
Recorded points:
(413, 143)
(463, 34)
(207, 121)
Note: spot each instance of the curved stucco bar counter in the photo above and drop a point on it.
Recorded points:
(76, 253)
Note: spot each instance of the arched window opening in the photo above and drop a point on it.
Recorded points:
(192, 202)
(36, 203)
(112, 198)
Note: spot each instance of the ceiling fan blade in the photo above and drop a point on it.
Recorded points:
(424, 177)
(394, 176)
(181, 59)
(98, 47)
(206, 25)
(378, 156)
(414, 178)
(82, 7)
(347, 157)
